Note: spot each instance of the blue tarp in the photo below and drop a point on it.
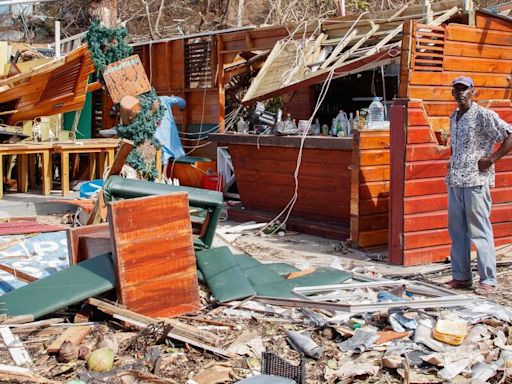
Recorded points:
(167, 132)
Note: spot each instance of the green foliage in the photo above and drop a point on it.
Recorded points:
(357, 5)
(274, 104)
(107, 45)
(146, 169)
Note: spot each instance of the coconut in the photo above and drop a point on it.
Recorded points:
(107, 340)
(101, 360)
(68, 352)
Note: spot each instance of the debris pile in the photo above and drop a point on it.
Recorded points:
(136, 309)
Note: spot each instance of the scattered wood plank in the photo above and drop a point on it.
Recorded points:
(23, 375)
(13, 343)
(74, 334)
(217, 351)
(21, 319)
(34, 324)
(178, 327)
(23, 227)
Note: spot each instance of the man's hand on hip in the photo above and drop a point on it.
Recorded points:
(485, 163)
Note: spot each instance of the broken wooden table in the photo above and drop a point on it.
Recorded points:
(99, 151)
(24, 151)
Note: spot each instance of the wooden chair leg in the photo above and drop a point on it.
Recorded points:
(1, 176)
(32, 168)
(22, 162)
(92, 166)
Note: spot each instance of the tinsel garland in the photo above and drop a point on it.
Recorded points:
(106, 46)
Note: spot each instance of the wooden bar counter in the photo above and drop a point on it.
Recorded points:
(264, 169)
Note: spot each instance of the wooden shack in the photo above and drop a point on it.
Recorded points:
(352, 188)
(397, 180)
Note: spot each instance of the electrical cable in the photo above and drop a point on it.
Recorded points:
(323, 92)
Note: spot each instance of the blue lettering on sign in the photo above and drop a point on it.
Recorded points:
(38, 256)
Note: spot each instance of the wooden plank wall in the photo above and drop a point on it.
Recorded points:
(300, 103)
(483, 52)
(420, 234)
(431, 59)
(369, 188)
(265, 180)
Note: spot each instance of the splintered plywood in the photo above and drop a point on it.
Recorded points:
(286, 64)
(126, 77)
(154, 255)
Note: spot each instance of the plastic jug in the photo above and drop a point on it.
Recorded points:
(341, 123)
(375, 114)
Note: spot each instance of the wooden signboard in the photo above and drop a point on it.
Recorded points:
(126, 77)
(154, 255)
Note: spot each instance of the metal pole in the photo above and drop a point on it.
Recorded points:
(57, 39)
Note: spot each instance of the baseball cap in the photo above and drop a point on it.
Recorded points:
(467, 81)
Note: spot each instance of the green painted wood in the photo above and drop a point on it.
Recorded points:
(61, 289)
(84, 130)
(223, 275)
(322, 276)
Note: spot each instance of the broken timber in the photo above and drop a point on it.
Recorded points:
(181, 332)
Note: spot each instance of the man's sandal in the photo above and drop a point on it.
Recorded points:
(458, 284)
(485, 289)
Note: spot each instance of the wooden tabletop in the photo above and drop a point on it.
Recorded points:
(319, 142)
(87, 144)
(25, 146)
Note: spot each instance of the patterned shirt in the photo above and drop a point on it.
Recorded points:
(471, 138)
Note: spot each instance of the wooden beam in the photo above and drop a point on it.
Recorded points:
(75, 335)
(385, 40)
(341, 45)
(398, 13)
(445, 16)
(352, 49)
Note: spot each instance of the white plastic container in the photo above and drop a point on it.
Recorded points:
(341, 123)
(375, 114)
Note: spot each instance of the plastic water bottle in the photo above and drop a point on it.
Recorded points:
(316, 128)
(375, 114)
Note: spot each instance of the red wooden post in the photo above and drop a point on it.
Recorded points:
(398, 132)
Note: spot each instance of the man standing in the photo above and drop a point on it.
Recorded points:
(474, 131)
